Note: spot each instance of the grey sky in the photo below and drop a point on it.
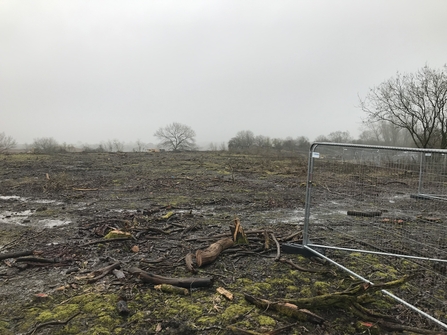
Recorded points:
(94, 70)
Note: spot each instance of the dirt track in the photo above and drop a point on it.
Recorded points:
(61, 207)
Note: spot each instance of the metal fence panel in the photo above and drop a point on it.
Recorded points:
(381, 201)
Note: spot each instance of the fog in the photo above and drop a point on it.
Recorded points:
(90, 71)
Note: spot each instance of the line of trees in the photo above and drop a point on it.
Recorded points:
(405, 110)
(245, 140)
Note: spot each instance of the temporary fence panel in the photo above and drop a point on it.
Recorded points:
(367, 204)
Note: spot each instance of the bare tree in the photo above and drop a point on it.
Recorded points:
(340, 137)
(384, 133)
(46, 145)
(6, 142)
(414, 102)
(176, 137)
(243, 140)
(118, 146)
(140, 146)
(212, 146)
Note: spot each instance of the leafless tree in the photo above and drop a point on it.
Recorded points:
(140, 146)
(340, 137)
(176, 137)
(6, 142)
(243, 140)
(212, 146)
(414, 102)
(384, 133)
(118, 146)
(46, 145)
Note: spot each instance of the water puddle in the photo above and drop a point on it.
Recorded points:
(25, 217)
(50, 223)
(11, 197)
(23, 199)
(15, 217)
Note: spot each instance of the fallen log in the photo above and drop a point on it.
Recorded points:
(210, 254)
(16, 254)
(287, 309)
(167, 288)
(189, 263)
(347, 297)
(181, 282)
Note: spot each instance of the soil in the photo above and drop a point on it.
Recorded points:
(60, 208)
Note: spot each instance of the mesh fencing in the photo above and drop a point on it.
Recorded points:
(381, 212)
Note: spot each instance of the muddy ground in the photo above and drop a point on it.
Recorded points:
(57, 210)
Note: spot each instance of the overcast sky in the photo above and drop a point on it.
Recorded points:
(92, 71)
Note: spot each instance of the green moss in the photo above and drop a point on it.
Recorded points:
(282, 281)
(207, 320)
(266, 320)
(4, 328)
(292, 288)
(234, 312)
(306, 292)
(321, 287)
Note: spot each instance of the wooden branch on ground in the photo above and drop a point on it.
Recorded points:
(98, 274)
(278, 248)
(119, 239)
(401, 328)
(182, 282)
(237, 330)
(287, 309)
(210, 254)
(38, 260)
(266, 241)
(347, 297)
(16, 254)
(189, 263)
(52, 323)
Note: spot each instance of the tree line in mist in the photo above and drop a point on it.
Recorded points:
(408, 110)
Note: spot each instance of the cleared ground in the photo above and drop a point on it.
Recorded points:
(61, 207)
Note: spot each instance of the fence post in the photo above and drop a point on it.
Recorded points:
(312, 155)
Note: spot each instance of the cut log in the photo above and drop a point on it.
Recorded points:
(16, 254)
(288, 309)
(182, 282)
(238, 233)
(210, 254)
(189, 263)
(167, 288)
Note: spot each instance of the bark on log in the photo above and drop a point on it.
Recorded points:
(182, 282)
(209, 254)
(189, 263)
(239, 236)
(288, 309)
(347, 298)
(16, 254)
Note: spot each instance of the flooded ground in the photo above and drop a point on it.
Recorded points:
(58, 210)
